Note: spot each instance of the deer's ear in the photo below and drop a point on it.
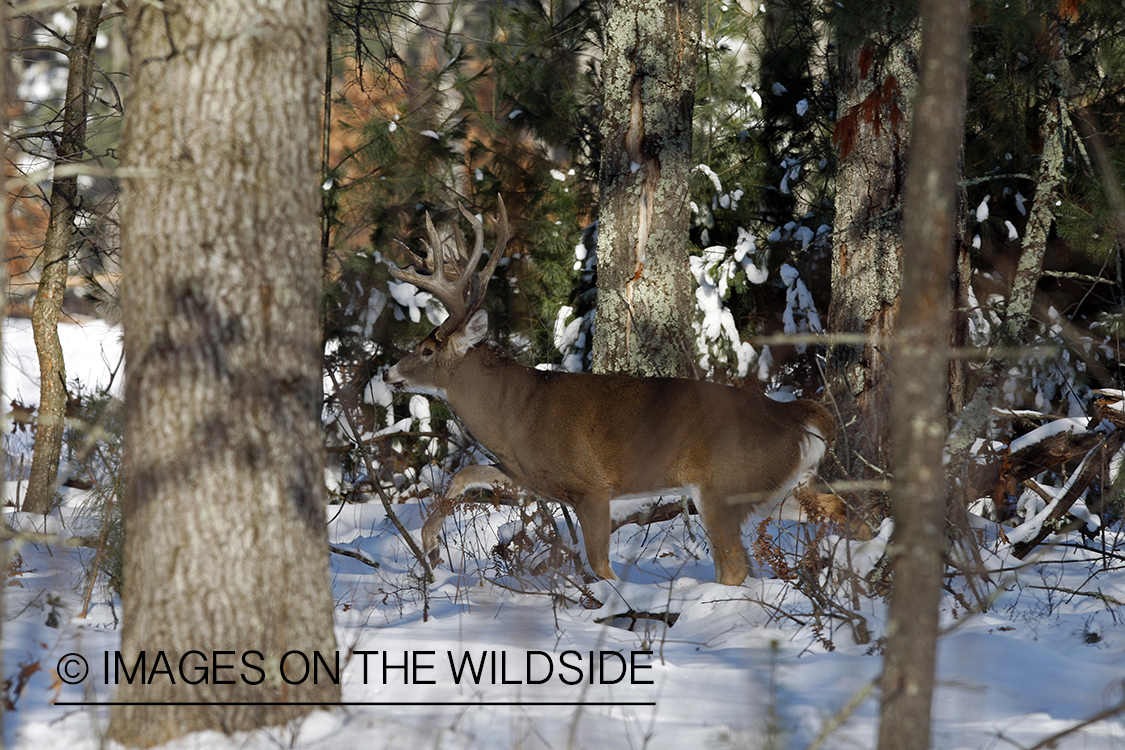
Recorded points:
(473, 333)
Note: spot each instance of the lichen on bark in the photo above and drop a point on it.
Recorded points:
(871, 137)
(58, 245)
(644, 296)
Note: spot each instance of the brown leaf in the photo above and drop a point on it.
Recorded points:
(56, 685)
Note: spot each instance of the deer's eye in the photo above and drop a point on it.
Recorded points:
(427, 351)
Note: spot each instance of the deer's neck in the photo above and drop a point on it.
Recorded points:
(488, 394)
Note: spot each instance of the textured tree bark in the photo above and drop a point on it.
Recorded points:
(871, 135)
(226, 549)
(3, 271)
(643, 325)
(920, 370)
(55, 259)
(1025, 280)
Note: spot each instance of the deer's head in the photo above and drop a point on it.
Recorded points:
(450, 275)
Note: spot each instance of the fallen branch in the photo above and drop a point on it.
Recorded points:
(668, 618)
(1110, 443)
(1092, 594)
(656, 513)
(353, 555)
(1053, 740)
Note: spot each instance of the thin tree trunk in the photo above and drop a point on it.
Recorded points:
(3, 286)
(871, 135)
(645, 307)
(226, 550)
(1025, 280)
(920, 369)
(57, 247)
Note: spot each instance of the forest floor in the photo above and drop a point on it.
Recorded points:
(506, 651)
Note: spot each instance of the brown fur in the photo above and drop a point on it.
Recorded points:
(585, 439)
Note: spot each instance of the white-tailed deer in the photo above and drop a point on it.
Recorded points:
(586, 439)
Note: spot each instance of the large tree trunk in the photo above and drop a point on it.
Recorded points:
(226, 547)
(644, 317)
(871, 134)
(57, 247)
(921, 377)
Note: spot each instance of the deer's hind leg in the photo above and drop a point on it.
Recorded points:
(723, 521)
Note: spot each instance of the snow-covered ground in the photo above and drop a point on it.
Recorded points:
(742, 667)
(92, 352)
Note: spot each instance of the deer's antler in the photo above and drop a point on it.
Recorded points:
(463, 293)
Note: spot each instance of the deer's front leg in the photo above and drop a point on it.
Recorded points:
(479, 477)
(593, 518)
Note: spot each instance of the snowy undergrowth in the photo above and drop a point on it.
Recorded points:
(1046, 655)
(761, 665)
